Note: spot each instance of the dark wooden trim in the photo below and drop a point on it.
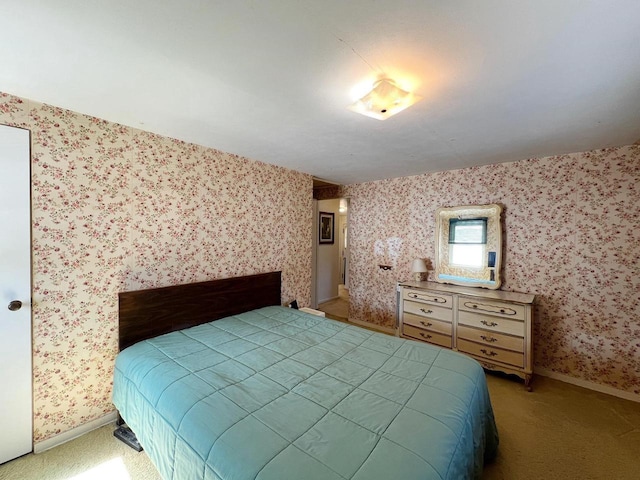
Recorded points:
(148, 313)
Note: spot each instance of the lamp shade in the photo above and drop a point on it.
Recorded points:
(419, 266)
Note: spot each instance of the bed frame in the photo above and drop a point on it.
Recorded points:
(148, 313)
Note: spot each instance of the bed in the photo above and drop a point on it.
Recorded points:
(218, 381)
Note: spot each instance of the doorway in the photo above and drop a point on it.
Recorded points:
(16, 417)
(331, 275)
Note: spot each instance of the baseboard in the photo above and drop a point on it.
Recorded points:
(388, 330)
(74, 433)
(634, 397)
(327, 300)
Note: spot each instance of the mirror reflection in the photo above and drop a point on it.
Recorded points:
(469, 245)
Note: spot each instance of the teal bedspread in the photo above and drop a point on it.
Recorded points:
(276, 394)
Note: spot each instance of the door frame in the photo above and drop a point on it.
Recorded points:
(315, 245)
(314, 257)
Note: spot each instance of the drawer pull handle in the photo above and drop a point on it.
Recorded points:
(426, 324)
(428, 299)
(489, 324)
(488, 339)
(490, 308)
(490, 353)
(426, 311)
(425, 335)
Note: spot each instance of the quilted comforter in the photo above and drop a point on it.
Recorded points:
(276, 394)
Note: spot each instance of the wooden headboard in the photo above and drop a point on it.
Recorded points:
(148, 313)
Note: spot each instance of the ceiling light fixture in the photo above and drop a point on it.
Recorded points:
(384, 100)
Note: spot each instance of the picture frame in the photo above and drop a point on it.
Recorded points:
(326, 227)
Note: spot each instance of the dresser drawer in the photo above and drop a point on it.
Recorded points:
(432, 298)
(431, 337)
(491, 339)
(491, 323)
(427, 323)
(491, 353)
(492, 307)
(431, 311)
(493, 327)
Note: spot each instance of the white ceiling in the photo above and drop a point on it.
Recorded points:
(501, 80)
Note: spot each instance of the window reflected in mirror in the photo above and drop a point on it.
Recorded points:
(467, 241)
(469, 245)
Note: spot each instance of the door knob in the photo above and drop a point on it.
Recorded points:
(15, 305)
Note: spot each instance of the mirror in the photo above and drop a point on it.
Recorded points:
(469, 245)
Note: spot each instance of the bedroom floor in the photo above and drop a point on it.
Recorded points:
(338, 308)
(559, 431)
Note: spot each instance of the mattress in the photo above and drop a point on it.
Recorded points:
(277, 394)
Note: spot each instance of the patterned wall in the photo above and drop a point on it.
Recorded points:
(572, 237)
(116, 208)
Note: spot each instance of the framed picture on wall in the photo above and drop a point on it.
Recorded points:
(326, 227)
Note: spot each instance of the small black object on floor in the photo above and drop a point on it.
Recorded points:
(124, 434)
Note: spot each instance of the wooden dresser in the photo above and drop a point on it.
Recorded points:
(492, 326)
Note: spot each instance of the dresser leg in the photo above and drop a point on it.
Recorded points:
(528, 378)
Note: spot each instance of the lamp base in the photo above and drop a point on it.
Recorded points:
(418, 276)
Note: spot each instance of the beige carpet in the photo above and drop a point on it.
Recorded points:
(338, 308)
(97, 455)
(558, 431)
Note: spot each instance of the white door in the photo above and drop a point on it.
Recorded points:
(16, 437)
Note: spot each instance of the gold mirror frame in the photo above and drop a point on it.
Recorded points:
(488, 274)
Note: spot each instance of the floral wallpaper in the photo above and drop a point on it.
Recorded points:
(115, 208)
(572, 237)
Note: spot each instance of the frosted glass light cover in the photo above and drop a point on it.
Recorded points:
(384, 100)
